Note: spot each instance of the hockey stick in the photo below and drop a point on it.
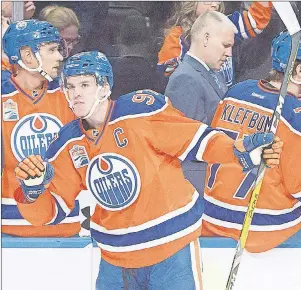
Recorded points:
(18, 11)
(288, 16)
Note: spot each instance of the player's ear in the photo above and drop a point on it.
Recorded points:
(27, 56)
(298, 69)
(297, 72)
(206, 38)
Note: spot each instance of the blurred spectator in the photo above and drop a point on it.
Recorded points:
(195, 88)
(177, 41)
(66, 21)
(134, 37)
(131, 57)
(92, 16)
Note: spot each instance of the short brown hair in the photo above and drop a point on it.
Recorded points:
(277, 76)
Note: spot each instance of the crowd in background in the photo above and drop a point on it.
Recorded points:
(131, 34)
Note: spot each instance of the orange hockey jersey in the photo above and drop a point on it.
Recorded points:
(30, 119)
(248, 108)
(146, 211)
(5, 65)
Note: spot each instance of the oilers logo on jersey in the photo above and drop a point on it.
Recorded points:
(10, 111)
(113, 180)
(33, 134)
(79, 156)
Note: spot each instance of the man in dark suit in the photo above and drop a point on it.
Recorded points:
(195, 88)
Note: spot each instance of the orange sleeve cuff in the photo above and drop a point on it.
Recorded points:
(261, 14)
(38, 213)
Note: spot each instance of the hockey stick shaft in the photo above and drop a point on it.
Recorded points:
(260, 174)
(18, 11)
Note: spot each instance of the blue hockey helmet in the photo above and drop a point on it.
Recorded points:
(27, 33)
(89, 63)
(281, 47)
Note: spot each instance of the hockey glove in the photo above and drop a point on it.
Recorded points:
(33, 177)
(254, 145)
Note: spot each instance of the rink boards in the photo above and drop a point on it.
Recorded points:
(72, 264)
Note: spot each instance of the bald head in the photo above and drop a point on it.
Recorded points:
(211, 20)
(212, 38)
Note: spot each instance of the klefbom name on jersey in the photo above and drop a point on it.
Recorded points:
(239, 115)
(113, 180)
(33, 134)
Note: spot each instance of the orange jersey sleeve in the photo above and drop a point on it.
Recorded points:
(59, 200)
(172, 133)
(251, 22)
(172, 51)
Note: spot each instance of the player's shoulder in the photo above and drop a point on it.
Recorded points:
(252, 92)
(68, 133)
(7, 86)
(291, 112)
(54, 85)
(244, 86)
(140, 103)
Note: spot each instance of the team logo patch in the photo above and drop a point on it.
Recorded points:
(10, 111)
(79, 156)
(21, 25)
(113, 180)
(33, 134)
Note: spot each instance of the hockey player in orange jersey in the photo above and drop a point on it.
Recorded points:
(127, 153)
(34, 109)
(248, 108)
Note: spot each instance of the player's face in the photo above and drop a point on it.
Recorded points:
(51, 59)
(81, 91)
(203, 7)
(220, 47)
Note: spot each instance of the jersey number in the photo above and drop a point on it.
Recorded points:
(141, 96)
(247, 183)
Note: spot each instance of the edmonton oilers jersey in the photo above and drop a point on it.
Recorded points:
(145, 209)
(30, 120)
(247, 108)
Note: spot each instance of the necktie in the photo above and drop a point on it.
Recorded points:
(213, 73)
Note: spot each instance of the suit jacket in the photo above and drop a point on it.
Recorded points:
(193, 90)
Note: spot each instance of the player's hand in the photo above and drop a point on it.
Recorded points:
(249, 150)
(29, 9)
(271, 155)
(34, 175)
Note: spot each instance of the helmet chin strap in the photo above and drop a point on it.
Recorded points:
(38, 69)
(97, 101)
